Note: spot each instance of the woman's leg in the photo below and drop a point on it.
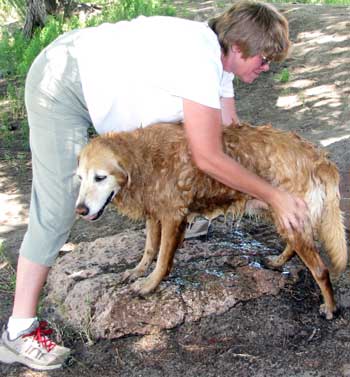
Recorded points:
(58, 120)
(27, 295)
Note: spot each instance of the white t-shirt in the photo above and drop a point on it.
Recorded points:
(136, 73)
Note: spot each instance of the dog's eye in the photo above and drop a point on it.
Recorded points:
(99, 178)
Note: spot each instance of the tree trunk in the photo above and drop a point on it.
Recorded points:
(51, 6)
(35, 16)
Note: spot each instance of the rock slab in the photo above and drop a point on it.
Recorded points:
(209, 277)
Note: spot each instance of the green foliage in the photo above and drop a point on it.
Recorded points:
(11, 52)
(128, 9)
(283, 76)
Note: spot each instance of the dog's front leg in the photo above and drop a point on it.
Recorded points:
(171, 236)
(151, 250)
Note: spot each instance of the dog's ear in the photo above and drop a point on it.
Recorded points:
(122, 175)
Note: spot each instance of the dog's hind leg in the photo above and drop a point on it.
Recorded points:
(307, 252)
(153, 230)
(277, 261)
(171, 236)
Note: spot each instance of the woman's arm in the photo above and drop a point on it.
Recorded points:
(204, 133)
(228, 111)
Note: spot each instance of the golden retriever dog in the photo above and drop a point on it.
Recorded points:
(149, 174)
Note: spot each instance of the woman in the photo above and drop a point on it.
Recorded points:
(119, 77)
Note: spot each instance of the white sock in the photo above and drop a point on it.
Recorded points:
(16, 325)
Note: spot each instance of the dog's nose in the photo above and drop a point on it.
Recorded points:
(82, 209)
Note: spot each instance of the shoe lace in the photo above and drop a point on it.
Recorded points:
(40, 334)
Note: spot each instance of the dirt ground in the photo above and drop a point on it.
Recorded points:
(270, 336)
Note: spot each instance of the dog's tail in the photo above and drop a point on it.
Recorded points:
(332, 230)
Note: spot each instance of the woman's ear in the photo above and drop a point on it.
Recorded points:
(235, 48)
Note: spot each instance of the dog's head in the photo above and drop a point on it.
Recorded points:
(102, 176)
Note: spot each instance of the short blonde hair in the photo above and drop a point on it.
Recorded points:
(256, 28)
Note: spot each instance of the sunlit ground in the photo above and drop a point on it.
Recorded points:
(328, 94)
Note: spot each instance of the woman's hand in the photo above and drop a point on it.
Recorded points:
(292, 211)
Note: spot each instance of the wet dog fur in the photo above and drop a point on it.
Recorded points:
(149, 174)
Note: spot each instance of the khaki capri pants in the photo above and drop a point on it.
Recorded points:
(58, 122)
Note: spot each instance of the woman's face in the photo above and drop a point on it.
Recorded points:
(246, 69)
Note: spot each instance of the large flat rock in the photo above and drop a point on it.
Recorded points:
(209, 277)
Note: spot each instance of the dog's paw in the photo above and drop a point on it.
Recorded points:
(327, 312)
(144, 286)
(273, 262)
(132, 275)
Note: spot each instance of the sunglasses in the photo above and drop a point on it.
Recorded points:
(264, 60)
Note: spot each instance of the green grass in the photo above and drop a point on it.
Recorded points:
(283, 76)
